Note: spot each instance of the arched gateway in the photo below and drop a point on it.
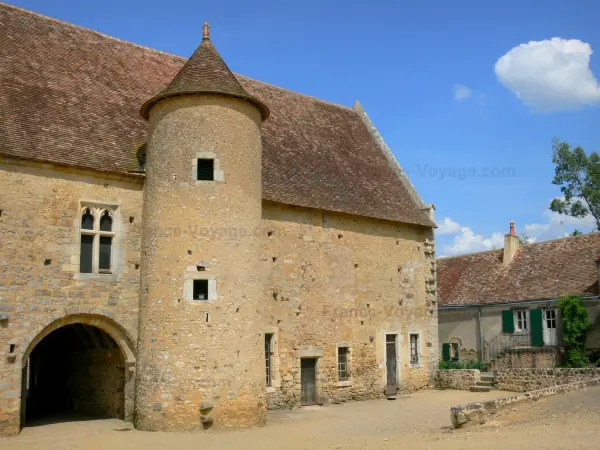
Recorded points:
(79, 365)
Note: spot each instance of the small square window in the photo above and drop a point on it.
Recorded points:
(206, 169)
(200, 290)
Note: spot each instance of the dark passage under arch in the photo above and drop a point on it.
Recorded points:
(76, 372)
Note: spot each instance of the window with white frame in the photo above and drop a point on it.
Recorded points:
(342, 363)
(414, 349)
(521, 320)
(454, 351)
(97, 233)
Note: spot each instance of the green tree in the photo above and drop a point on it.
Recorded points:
(576, 232)
(575, 325)
(578, 176)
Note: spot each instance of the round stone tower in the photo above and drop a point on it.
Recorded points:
(200, 349)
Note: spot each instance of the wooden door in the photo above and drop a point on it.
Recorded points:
(390, 357)
(308, 381)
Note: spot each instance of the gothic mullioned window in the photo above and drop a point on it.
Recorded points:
(97, 236)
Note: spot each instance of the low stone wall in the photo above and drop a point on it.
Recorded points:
(456, 378)
(522, 380)
(523, 359)
(478, 413)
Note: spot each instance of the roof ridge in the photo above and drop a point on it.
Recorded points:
(294, 92)
(547, 241)
(161, 52)
(463, 255)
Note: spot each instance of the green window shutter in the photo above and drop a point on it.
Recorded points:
(537, 332)
(446, 352)
(508, 322)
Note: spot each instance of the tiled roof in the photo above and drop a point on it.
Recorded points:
(72, 96)
(205, 72)
(543, 270)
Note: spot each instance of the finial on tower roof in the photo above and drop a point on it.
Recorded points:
(205, 32)
(512, 227)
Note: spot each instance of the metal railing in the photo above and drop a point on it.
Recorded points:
(514, 342)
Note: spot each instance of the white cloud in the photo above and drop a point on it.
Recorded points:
(555, 226)
(558, 225)
(461, 92)
(550, 75)
(467, 241)
(448, 226)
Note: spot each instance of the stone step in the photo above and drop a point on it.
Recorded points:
(485, 383)
(489, 378)
(480, 389)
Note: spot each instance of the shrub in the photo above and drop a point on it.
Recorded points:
(575, 324)
(469, 364)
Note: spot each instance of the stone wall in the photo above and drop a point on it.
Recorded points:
(334, 278)
(478, 413)
(456, 378)
(97, 380)
(521, 380)
(523, 359)
(40, 285)
(330, 280)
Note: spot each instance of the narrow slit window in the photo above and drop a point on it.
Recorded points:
(269, 358)
(205, 169)
(343, 372)
(200, 290)
(414, 348)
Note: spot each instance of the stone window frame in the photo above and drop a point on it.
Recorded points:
(275, 360)
(218, 174)
(97, 208)
(419, 348)
(188, 286)
(309, 352)
(347, 345)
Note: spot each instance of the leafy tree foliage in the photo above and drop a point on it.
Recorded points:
(575, 325)
(578, 176)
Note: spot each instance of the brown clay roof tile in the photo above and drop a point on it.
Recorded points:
(542, 270)
(72, 96)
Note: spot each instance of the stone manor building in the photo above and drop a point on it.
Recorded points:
(186, 247)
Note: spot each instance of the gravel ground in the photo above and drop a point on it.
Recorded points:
(417, 421)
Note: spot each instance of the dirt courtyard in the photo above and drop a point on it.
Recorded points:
(416, 421)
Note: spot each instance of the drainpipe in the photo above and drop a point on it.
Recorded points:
(481, 335)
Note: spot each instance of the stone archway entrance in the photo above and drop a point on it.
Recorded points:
(76, 371)
(78, 367)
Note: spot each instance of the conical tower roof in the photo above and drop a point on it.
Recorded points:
(205, 73)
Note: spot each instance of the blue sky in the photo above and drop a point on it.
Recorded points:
(426, 74)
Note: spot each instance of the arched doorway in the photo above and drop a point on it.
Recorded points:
(78, 367)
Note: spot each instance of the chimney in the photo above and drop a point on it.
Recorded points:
(511, 244)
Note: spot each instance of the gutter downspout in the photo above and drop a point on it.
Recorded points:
(481, 334)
